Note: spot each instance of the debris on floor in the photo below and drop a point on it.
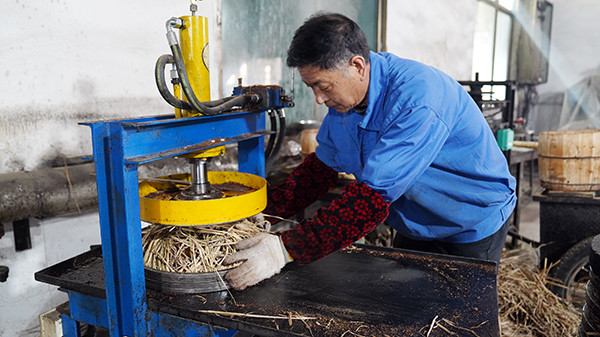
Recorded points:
(526, 306)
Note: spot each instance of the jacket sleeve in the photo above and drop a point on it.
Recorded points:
(306, 184)
(406, 148)
(347, 219)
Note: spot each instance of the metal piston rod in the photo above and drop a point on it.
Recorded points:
(200, 186)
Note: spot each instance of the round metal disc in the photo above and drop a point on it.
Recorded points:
(159, 208)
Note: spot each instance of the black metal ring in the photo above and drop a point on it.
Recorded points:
(187, 283)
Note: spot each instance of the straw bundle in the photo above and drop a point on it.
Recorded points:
(200, 249)
(526, 306)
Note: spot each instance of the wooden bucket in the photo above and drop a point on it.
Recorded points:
(308, 140)
(569, 160)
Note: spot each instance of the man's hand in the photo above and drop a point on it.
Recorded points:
(263, 254)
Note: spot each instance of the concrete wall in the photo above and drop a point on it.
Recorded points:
(68, 61)
(64, 62)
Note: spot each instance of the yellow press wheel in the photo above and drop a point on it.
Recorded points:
(244, 195)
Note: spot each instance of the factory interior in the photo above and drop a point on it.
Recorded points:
(122, 132)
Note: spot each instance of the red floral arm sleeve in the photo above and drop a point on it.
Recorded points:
(307, 183)
(347, 219)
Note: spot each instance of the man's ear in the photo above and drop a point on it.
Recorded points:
(360, 64)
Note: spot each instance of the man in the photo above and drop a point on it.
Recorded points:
(424, 159)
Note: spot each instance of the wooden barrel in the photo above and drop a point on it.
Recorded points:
(308, 140)
(569, 160)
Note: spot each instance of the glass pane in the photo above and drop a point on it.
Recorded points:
(508, 4)
(502, 51)
(498, 92)
(257, 34)
(483, 44)
(486, 92)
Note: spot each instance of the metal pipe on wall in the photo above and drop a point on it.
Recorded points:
(47, 192)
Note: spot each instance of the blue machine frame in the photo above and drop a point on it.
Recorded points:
(119, 148)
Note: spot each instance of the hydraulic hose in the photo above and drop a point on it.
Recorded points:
(161, 83)
(218, 101)
(273, 136)
(209, 109)
(281, 135)
(193, 100)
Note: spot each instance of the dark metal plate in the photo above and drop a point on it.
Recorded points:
(83, 273)
(364, 290)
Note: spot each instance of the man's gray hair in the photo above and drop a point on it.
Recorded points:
(327, 41)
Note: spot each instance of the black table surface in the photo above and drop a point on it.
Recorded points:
(359, 291)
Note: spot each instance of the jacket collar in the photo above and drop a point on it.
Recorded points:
(378, 82)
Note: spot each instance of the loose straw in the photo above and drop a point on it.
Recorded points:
(199, 249)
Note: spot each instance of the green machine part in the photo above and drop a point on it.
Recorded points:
(505, 138)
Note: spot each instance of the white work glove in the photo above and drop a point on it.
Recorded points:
(260, 219)
(263, 254)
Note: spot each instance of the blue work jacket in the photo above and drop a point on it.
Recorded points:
(424, 145)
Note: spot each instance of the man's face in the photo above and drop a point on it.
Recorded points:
(341, 88)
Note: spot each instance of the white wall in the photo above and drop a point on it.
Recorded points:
(64, 62)
(67, 61)
(22, 298)
(436, 32)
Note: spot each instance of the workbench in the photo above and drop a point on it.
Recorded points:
(517, 158)
(362, 290)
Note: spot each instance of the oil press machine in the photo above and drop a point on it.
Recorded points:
(363, 289)
(199, 130)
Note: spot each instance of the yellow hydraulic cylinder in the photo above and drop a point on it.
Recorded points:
(179, 94)
(193, 40)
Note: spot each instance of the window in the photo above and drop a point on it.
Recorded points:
(512, 42)
(256, 35)
(492, 45)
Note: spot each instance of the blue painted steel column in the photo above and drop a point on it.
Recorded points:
(251, 156)
(120, 229)
(88, 309)
(70, 327)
